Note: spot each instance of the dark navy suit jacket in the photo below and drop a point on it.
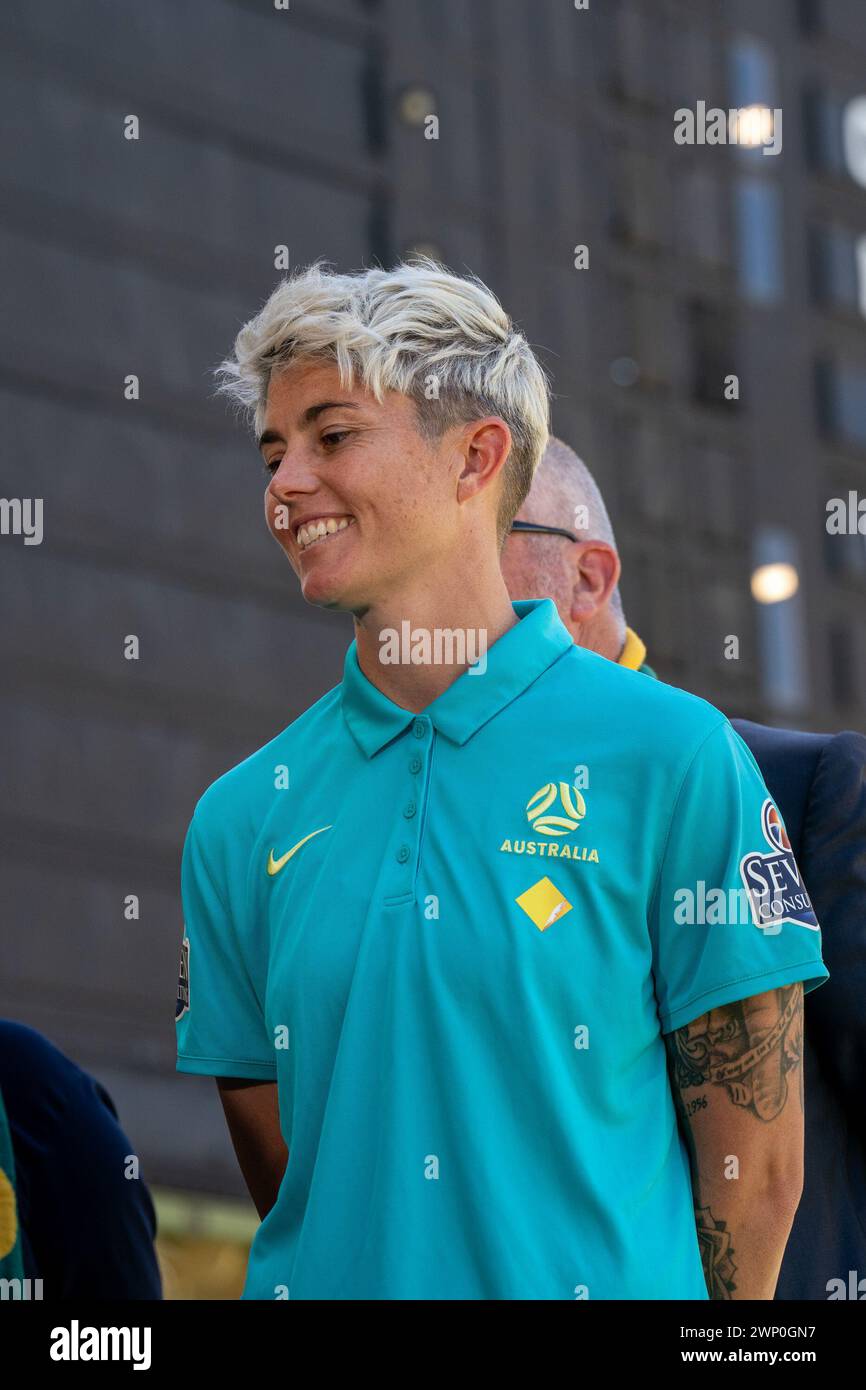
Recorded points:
(87, 1230)
(818, 781)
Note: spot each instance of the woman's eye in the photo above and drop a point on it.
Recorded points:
(330, 440)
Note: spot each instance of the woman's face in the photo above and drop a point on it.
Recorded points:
(358, 499)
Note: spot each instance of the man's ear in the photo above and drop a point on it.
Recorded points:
(596, 568)
(484, 446)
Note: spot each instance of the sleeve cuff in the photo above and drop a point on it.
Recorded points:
(812, 972)
(225, 1066)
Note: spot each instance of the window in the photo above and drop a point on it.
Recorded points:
(654, 593)
(822, 123)
(832, 266)
(780, 625)
(845, 553)
(860, 265)
(643, 334)
(640, 58)
(840, 389)
(809, 13)
(837, 268)
(713, 353)
(655, 335)
(713, 492)
(721, 612)
(653, 470)
(636, 597)
(854, 138)
(639, 203)
(701, 229)
(835, 129)
(760, 271)
(695, 71)
(752, 77)
(669, 627)
(837, 19)
(843, 683)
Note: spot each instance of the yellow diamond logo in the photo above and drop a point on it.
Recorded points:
(543, 903)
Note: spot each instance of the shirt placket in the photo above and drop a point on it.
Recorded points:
(415, 748)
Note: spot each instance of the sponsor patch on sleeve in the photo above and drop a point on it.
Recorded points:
(772, 879)
(183, 981)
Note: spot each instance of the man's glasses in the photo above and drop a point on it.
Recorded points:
(542, 530)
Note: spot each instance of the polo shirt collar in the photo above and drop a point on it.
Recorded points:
(514, 661)
(633, 654)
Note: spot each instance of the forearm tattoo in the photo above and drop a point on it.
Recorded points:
(717, 1254)
(754, 1049)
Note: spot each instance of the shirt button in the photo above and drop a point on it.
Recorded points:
(419, 728)
(403, 853)
(409, 810)
(415, 765)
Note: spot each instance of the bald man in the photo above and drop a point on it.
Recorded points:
(562, 546)
(582, 577)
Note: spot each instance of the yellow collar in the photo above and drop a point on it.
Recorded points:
(634, 652)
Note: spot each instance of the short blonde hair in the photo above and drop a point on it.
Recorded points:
(443, 340)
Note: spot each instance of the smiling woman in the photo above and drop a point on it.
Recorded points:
(443, 341)
(393, 985)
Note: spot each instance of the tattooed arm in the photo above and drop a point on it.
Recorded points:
(737, 1079)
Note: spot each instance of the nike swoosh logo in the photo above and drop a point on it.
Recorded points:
(274, 865)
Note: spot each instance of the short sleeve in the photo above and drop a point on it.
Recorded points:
(731, 915)
(219, 1015)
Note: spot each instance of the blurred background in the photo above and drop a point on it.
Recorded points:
(268, 137)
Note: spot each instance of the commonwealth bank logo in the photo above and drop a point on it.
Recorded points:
(555, 810)
(543, 903)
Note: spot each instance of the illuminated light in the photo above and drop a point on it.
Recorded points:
(752, 126)
(416, 104)
(774, 583)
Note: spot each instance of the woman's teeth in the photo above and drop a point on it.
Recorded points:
(313, 531)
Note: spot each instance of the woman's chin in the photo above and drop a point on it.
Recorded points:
(326, 590)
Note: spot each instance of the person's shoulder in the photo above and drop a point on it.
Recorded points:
(24, 1051)
(840, 774)
(34, 1071)
(635, 701)
(248, 787)
(782, 742)
(847, 748)
(844, 753)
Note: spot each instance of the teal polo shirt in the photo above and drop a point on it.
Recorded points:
(455, 940)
